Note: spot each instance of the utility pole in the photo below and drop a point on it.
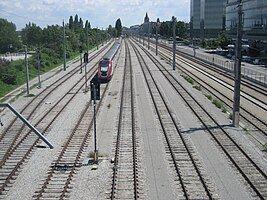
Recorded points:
(27, 71)
(86, 60)
(81, 61)
(64, 47)
(236, 106)
(174, 41)
(38, 62)
(157, 37)
(148, 38)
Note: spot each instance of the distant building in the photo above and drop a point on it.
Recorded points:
(134, 29)
(207, 18)
(146, 26)
(254, 20)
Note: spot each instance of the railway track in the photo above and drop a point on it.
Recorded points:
(193, 184)
(251, 120)
(59, 179)
(254, 177)
(125, 180)
(62, 172)
(20, 144)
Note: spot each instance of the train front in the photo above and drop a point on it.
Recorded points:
(105, 69)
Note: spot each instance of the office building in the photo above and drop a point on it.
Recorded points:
(207, 18)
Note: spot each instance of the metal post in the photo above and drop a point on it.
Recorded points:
(27, 71)
(81, 62)
(27, 123)
(148, 39)
(38, 61)
(174, 42)
(143, 39)
(85, 76)
(64, 47)
(238, 68)
(96, 152)
(157, 37)
(96, 38)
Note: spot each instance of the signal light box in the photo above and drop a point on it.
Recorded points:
(95, 88)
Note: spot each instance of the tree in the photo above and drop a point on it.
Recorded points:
(224, 40)
(81, 23)
(111, 31)
(118, 27)
(71, 22)
(31, 35)
(8, 36)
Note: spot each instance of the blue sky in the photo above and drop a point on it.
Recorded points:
(100, 13)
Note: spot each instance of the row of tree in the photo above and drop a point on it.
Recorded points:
(52, 36)
(48, 43)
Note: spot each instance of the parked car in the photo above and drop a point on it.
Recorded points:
(258, 62)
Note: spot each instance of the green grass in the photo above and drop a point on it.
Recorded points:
(265, 147)
(197, 87)
(189, 80)
(209, 96)
(19, 69)
(217, 103)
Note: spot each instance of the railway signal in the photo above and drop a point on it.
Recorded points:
(85, 57)
(95, 95)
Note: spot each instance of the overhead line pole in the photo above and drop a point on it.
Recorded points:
(27, 71)
(237, 71)
(64, 47)
(173, 41)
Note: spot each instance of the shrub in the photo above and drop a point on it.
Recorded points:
(217, 103)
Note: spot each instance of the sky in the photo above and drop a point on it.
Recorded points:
(100, 13)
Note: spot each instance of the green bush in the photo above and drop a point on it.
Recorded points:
(198, 87)
(209, 97)
(189, 79)
(217, 103)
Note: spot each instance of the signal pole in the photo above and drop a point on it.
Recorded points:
(236, 106)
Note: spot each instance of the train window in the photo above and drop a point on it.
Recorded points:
(104, 65)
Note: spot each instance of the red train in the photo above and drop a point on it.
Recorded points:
(105, 68)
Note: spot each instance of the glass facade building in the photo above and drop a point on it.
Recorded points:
(254, 18)
(207, 18)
